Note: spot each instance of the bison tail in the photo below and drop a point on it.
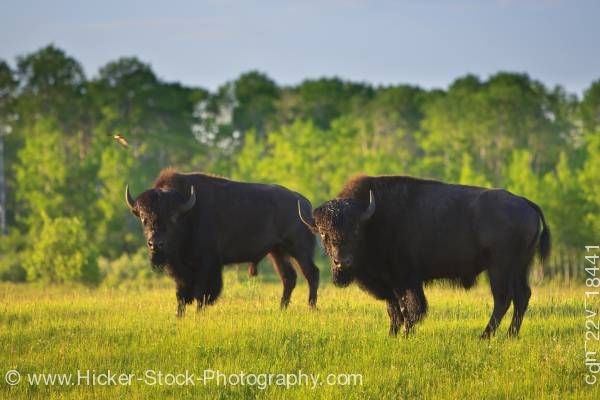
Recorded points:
(545, 237)
(544, 247)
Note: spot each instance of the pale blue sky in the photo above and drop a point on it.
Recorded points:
(428, 42)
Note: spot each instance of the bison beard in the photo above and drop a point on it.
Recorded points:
(192, 237)
(397, 233)
(342, 277)
(158, 261)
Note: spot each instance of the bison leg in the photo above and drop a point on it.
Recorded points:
(253, 269)
(413, 304)
(311, 273)
(522, 293)
(184, 297)
(502, 299)
(209, 286)
(405, 317)
(301, 249)
(415, 301)
(408, 315)
(286, 273)
(395, 313)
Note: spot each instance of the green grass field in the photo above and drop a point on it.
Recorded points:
(62, 330)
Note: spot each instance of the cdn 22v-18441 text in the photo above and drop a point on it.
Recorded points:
(592, 321)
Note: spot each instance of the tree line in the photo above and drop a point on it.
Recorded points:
(62, 173)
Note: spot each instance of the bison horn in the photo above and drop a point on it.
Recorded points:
(310, 222)
(128, 198)
(189, 203)
(371, 209)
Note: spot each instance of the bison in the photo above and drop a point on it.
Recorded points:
(195, 223)
(392, 234)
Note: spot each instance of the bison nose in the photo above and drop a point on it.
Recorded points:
(346, 261)
(155, 244)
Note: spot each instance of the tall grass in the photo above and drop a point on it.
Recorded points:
(65, 329)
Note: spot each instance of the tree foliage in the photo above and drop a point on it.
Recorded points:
(62, 253)
(65, 175)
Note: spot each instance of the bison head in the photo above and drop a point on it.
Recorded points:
(160, 211)
(340, 223)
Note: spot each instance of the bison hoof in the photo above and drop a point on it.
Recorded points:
(180, 312)
(253, 270)
(513, 334)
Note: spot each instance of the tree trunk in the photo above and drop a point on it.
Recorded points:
(3, 230)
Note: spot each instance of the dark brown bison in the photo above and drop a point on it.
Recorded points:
(194, 224)
(391, 234)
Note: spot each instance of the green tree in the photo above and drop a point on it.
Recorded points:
(117, 231)
(490, 119)
(520, 177)
(8, 85)
(588, 182)
(52, 179)
(52, 85)
(590, 107)
(151, 114)
(62, 253)
(318, 162)
(323, 100)
(564, 205)
(290, 158)
(470, 176)
(62, 163)
(256, 98)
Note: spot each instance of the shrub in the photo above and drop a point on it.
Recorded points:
(62, 253)
(11, 268)
(130, 271)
